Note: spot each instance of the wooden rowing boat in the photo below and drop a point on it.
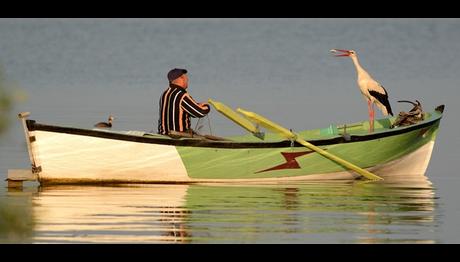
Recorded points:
(64, 154)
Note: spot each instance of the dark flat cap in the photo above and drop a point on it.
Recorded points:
(175, 73)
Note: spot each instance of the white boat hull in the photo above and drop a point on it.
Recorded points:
(66, 157)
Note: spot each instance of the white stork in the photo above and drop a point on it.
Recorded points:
(373, 92)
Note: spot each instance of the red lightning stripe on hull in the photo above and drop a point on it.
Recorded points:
(291, 163)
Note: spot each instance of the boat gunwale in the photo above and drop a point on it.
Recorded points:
(32, 125)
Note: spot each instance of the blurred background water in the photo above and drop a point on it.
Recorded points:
(75, 72)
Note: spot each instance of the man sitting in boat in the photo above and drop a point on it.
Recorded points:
(177, 106)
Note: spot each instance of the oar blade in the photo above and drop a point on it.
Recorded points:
(291, 135)
(339, 160)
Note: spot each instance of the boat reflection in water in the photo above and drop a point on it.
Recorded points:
(146, 213)
(401, 211)
(396, 210)
(391, 211)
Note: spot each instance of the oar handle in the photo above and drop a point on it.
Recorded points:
(237, 118)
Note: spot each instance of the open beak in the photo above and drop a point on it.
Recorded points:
(340, 52)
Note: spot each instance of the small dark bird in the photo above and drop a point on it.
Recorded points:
(104, 124)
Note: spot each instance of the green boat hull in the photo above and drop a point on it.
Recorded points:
(244, 163)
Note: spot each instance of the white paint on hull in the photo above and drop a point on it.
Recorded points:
(75, 157)
(411, 164)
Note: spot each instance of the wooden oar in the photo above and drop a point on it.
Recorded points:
(235, 117)
(291, 135)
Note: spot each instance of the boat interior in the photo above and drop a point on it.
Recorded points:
(333, 130)
(255, 135)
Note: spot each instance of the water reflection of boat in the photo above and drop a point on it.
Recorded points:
(310, 212)
(110, 214)
(326, 212)
(409, 204)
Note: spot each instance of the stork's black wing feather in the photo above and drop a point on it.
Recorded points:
(382, 98)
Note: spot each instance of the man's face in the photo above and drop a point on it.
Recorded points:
(182, 81)
(185, 79)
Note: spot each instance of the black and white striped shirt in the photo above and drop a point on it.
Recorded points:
(176, 108)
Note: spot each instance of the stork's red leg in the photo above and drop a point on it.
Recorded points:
(372, 118)
(370, 108)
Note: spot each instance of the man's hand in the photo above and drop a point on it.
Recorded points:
(203, 104)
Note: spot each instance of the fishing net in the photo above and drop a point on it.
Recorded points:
(412, 117)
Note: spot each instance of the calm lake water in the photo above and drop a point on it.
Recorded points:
(75, 72)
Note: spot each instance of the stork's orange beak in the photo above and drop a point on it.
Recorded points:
(344, 52)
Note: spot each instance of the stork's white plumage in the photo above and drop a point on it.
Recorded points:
(373, 92)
